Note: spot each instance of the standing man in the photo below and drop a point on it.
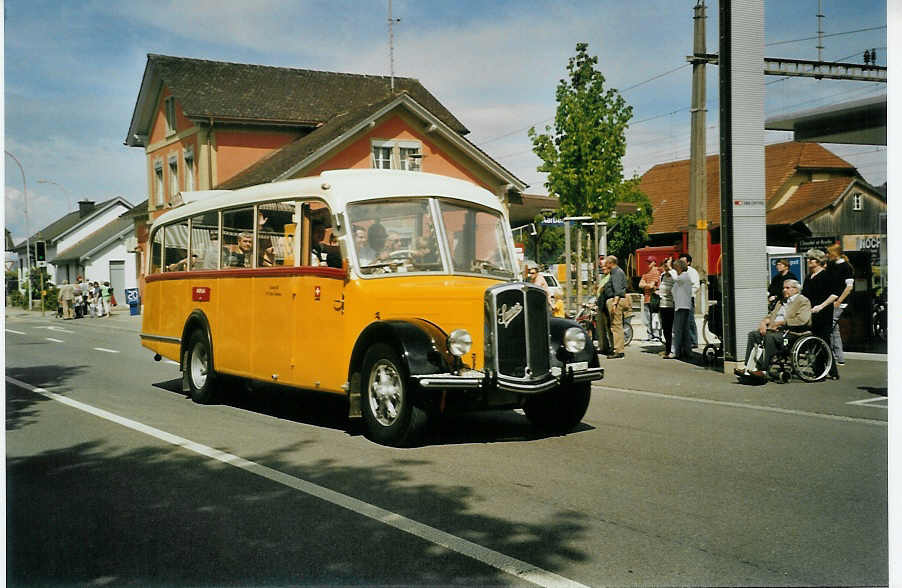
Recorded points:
(616, 302)
(696, 285)
(682, 317)
(67, 297)
(775, 289)
(602, 321)
(649, 282)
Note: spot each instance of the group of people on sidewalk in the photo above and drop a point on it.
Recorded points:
(670, 290)
(816, 306)
(83, 299)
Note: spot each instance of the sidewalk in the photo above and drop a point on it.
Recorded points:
(643, 369)
(120, 316)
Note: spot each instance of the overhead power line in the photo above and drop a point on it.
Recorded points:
(824, 36)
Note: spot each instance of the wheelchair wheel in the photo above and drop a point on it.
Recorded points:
(811, 358)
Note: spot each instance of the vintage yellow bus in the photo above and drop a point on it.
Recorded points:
(397, 290)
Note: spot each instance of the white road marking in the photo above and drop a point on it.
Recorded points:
(832, 417)
(495, 559)
(54, 340)
(16, 332)
(870, 401)
(105, 350)
(57, 329)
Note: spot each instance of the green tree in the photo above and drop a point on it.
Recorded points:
(629, 230)
(583, 153)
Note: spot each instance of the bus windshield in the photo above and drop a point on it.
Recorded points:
(400, 236)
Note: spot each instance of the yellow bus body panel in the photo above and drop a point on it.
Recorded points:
(300, 330)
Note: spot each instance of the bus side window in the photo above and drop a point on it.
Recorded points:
(175, 252)
(156, 252)
(205, 241)
(319, 245)
(238, 238)
(276, 226)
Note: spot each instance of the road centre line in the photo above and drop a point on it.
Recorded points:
(105, 350)
(495, 559)
(16, 332)
(54, 340)
(774, 409)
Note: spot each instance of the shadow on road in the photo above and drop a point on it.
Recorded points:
(329, 410)
(21, 408)
(98, 514)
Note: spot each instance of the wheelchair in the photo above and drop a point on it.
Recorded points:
(803, 354)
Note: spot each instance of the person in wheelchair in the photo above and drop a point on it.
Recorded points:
(794, 314)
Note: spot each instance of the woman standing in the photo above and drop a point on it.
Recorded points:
(681, 347)
(819, 289)
(843, 278)
(665, 291)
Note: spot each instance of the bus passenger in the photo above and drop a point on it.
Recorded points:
(239, 255)
(376, 236)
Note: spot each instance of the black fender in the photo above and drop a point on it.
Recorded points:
(419, 344)
(559, 355)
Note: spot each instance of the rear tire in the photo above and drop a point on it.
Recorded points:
(199, 369)
(389, 413)
(811, 358)
(558, 411)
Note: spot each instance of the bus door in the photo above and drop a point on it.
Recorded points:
(275, 292)
(318, 355)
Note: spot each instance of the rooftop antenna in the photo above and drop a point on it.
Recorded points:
(820, 30)
(391, 45)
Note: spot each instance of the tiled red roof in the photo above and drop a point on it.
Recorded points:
(667, 186)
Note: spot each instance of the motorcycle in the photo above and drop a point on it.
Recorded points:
(586, 318)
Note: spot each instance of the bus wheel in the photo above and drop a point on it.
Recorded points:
(558, 411)
(388, 410)
(201, 378)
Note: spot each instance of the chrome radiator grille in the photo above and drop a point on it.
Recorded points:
(517, 339)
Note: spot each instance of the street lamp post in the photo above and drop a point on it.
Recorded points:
(65, 191)
(27, 228)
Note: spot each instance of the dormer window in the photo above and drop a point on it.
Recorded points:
(857, 199)
(169, 106)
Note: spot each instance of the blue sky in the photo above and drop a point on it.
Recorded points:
(73, 69)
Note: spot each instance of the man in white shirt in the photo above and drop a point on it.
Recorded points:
(696, 285)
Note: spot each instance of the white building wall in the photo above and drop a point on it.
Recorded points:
(97, 268)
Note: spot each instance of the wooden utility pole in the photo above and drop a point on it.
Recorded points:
(698, 197)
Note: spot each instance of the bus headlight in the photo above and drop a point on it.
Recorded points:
(459, 342)
(575, 339)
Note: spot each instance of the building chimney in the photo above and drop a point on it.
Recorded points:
(85, 207)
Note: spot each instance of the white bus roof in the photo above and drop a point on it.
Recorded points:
(337, 189)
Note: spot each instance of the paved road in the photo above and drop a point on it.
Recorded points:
(677, 476)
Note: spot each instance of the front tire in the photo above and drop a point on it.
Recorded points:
(388, 410)
(199, 369)
(558, 411)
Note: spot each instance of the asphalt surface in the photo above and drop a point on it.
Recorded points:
(678, 475)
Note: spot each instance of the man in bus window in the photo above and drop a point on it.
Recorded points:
(239, 255)
(376, 236)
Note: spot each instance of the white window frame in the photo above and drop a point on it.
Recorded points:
(188, 160)
(410, 163)
(159, 196)
(396, 161)
(857, 201)
(382, 144)
(169, 112)
(173, 177)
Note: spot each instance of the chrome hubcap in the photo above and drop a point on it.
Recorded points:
(385, 393)
(198, 365)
